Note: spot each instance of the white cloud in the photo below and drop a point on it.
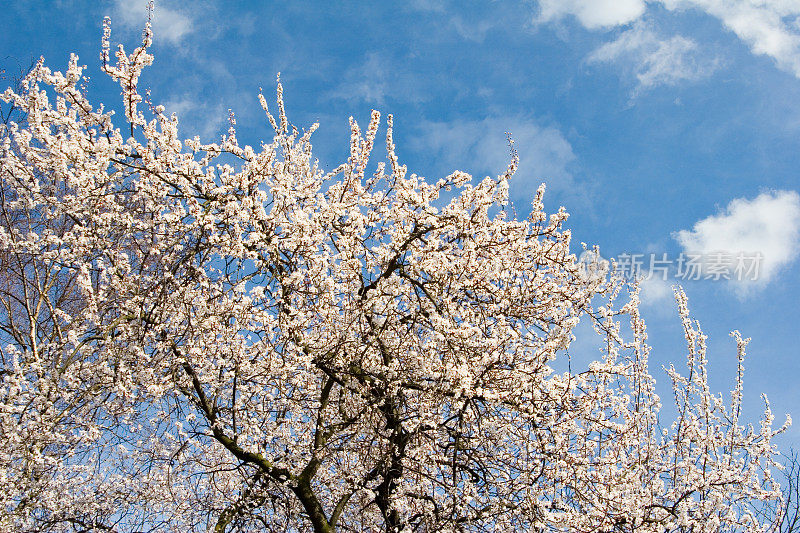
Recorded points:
(768, 225)
(765, 25)
(769, 27)
(480, 147)
(655, 291)
(655, 61)
(168, 24)
(195, 118)
(592, 13)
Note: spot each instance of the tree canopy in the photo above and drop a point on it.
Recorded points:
(217, 336)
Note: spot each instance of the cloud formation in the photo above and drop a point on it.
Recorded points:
(654, 61)
(768, 225)
(204, 119)
(374, 80)
(655, 292)
(593, 14)
(168, 24)
(768, 27)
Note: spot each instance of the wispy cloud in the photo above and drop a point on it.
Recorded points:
(480, 147)
(374, 80)
(655, 60)
(655, 291)
(768, 225)
(194, 118)
(592, 14)
(169, 24)
(769, 27)
(467, 24)
(474, 31)
(435, 6)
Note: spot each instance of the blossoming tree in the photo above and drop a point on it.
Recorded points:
(215, 336)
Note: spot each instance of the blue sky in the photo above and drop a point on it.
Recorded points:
(664, 127)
